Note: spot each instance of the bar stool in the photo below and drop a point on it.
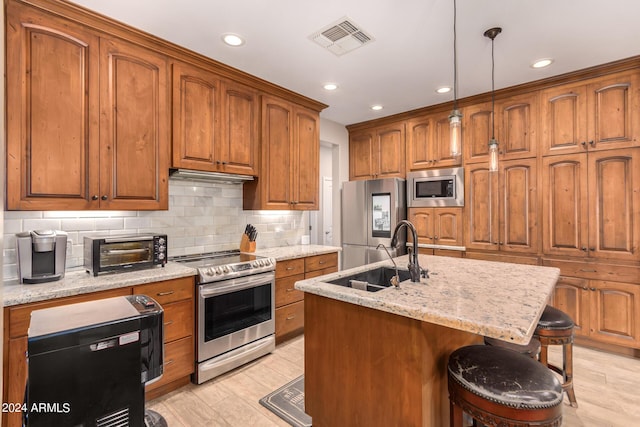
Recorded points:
(500, 387)
(531, 349)
(556, 328)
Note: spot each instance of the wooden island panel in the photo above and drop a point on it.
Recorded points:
(381, 370)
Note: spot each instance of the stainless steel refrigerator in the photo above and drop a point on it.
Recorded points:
(370, 212)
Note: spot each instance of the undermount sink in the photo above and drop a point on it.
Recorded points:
(376, 279)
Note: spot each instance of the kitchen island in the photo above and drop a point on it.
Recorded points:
(379, 358)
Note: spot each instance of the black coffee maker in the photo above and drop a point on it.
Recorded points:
(41, 255)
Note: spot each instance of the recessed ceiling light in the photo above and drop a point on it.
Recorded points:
(541, 63)
(330, 86)
(376, 107)
(444, 89)
(232, 39)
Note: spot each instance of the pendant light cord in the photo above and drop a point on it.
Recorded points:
(493, 94)
(455, 58)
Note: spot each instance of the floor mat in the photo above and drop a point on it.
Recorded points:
(287, 402)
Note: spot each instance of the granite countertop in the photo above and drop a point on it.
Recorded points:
(493, 299)
(281, 253)
(77, 282)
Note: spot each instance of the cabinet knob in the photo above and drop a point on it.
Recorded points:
(224, 163)
(500, 243)
(104, 197)
(592, 143)
(585, 288)
(436, 237)
(583, 143)
(94, 197)
(494, 243)
(584, 249)
(217, 162)
(592, 249)
(593, 289)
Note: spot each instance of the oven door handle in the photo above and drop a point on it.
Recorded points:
(235, 285)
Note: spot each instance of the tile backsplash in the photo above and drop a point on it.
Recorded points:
(202, 217)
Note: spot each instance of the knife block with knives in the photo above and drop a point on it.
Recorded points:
(248, 240)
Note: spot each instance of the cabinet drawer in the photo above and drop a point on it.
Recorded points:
(328, 270)
(320, 262)
(289, 319)
(289, 267)
(178, 320)
(168, 290)
(514, 259)
(596, 270)
(179, 362)
(285, 292)
(20, 316)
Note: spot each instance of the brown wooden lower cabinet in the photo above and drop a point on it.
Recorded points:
(177, 299)
(290, 301)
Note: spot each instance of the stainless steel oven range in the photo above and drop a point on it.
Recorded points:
(235, 310)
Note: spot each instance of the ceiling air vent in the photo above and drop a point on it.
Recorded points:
(341, 37)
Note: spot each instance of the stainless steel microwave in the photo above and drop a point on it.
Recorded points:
(435, 188)
(124, 253)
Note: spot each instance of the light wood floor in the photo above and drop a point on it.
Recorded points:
(607, 389)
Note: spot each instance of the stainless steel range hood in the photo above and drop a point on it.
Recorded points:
(192, 175)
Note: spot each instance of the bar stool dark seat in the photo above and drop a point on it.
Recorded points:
(556, 328)
(531, 349)
(499, 387)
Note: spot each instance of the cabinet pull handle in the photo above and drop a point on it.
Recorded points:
(583, 143)
(592, 249)
(500, 243)
(592, 143)
(494, 243)
(168, 362)
(94, 197)
(436, 237)
(291, 317)
(585, 288)
(584, 248)
(289, 268)
(217, 162)
(224, 163)
(588, 270)
(593, 289)
(170, 322)
(322, 262)
(104, 197)
(290, 289)
(164, 294)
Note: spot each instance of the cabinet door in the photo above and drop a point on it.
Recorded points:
(422, 219)
(476, 132)
(563, 119)
(571, 295)
(52, 112)
(239, 129)
(361, 155)
(614, 204)
(564, 205)
(447, 226)
(442, 143)
(481, 206)
(615, 314)
(519, 205)
(195, 118)
(277, 139)
(389, 154)
(306, 164)
(517, 126)
(420, 143)
(614, 111)
(134, 127)
(15, 374)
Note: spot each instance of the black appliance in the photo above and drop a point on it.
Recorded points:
(124, 253)
(88, 362)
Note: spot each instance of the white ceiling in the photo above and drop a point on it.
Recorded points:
(412, 53)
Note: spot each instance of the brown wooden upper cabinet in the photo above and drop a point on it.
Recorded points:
(438, 226)
(502, 208)
(210, 116)
(289, 172)
(87, 118)
(377, 153)
(591, 204)
(515, 128)
(428, 143)
(598, 114)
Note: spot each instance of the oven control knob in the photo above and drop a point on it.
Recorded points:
(218, 270)
(208, 272)
(225, 269)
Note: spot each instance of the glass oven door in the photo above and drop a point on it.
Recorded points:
(235, 312)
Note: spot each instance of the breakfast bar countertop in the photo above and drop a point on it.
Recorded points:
(493, 299)
(78, 281)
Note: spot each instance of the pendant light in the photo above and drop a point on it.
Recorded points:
(455, 118)
(493, 143)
